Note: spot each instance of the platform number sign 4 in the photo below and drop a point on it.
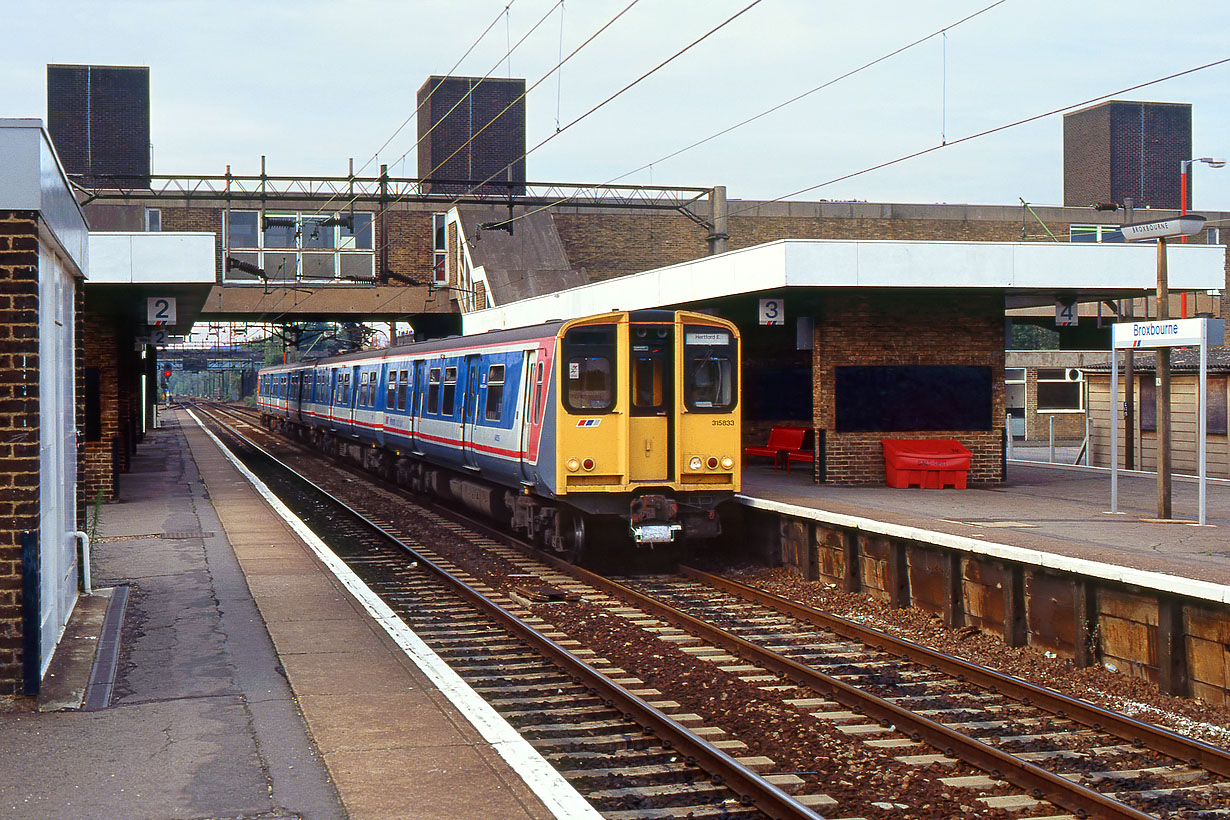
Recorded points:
(772, 311)
(1065, 314)
(160, 310)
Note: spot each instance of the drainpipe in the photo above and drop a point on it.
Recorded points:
(85, 561)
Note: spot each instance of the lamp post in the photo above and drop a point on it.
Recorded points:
(1161, 230)
(1185, 188)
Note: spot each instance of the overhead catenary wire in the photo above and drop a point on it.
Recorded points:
(503, 13)
(401, 196)
(778, 106)
(985, 133)
(620, 92)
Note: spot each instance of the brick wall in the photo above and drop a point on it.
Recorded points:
(609, 245)
(198, 219)
(466, 133)
(19, 431)
(885, 328)
(101, 457)
(410, 244)
(98, 118)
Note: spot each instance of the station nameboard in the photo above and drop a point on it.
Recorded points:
(1168, 333)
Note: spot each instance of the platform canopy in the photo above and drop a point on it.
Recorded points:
(1029, 274)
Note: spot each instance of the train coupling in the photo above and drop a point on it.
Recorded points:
(653, 519)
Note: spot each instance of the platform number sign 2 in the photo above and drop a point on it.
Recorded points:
(1065, 314)
(160, 310)
(772, 311)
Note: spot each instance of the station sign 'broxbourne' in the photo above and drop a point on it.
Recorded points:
(1167, 333)
(1162, 228)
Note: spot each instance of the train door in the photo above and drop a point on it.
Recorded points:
(650, 440)
(530, 381)
(351, 390)
(469, 411)
(417, 387)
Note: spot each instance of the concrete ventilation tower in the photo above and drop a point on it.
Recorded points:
(1120, 149)
(469, 129)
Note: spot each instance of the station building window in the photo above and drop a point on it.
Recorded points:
(299, 245)
(1060, 390)
(439, 246)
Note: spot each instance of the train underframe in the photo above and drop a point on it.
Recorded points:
(598, 524)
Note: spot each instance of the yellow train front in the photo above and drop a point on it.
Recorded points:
(646, 428)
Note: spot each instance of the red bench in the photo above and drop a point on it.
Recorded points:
(926, 463)
(786, 443)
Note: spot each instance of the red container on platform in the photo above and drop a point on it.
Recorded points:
(931, 464)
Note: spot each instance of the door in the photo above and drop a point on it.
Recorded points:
(469, 411)
(57, 452)
(529, 382)
(650, 450)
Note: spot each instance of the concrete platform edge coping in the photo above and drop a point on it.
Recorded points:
(1175, 585)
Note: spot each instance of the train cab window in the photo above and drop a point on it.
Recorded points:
(449, 397)
(589, 369)
(495, 392)
(710, 373)
(433, 391)
(403, 385)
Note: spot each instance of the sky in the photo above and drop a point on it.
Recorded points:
(311, 84)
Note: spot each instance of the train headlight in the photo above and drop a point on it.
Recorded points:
(728, 463)
(694, 463)
(573, 465)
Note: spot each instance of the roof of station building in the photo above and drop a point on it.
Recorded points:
(1027, 273)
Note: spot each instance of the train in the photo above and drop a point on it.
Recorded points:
(619, 428)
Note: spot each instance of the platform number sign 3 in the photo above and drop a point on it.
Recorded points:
(772, 311)
(1065, 314)
(160, 310)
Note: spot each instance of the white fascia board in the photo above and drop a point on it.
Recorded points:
(152, 258)
(32, 179)
(1107, 266)
(828, 263)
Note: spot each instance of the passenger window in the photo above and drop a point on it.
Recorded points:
(403, 380)
(433, 391)
(495, 392)
(390, 396)
(363, 389)
(449, 397)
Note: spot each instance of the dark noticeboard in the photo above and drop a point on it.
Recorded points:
(912, 398)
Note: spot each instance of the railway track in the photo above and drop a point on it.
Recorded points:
(950, 738)
(603, 729)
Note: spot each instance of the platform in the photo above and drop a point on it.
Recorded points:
(249, 683)
(1051, 509)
